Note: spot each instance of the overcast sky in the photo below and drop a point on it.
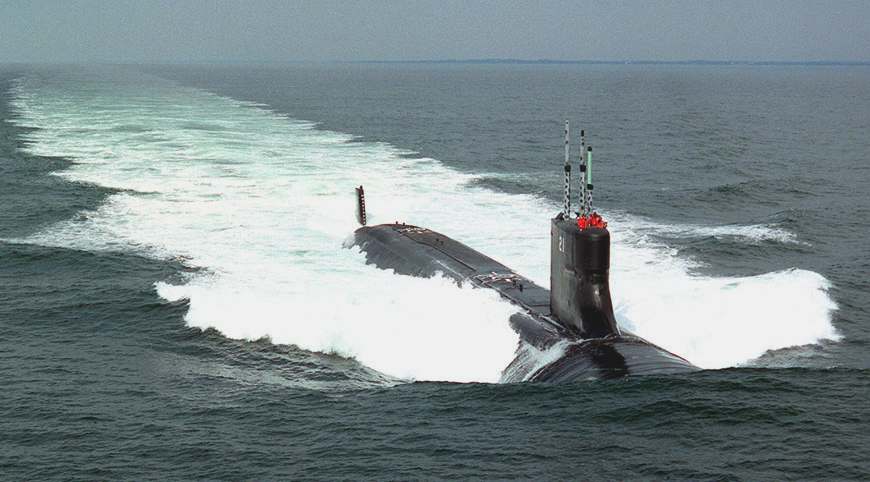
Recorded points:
(269, 30)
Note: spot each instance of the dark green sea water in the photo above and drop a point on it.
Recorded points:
(725, 172)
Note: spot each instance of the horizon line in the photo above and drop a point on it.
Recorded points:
(491, 61)
(614, 62)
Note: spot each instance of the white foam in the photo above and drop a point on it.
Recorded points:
(529, 359)
(264, 202)
(751, 232)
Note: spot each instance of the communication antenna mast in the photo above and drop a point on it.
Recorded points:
(566, 209)
(583, 211)
(589, 179)
(361, 206)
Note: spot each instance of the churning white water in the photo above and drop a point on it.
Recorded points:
(264, 202)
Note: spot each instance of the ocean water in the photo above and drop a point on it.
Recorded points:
(175, 300)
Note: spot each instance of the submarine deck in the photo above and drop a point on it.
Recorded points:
(432, 252)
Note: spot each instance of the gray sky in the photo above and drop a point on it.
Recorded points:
(270, 30)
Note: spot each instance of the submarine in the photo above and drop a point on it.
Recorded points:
(567, 333)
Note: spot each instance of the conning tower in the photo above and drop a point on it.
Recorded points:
(580, 258)
(579, 272)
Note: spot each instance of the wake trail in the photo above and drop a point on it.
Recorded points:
(264, 202)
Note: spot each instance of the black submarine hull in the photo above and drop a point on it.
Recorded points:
(580, 341)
